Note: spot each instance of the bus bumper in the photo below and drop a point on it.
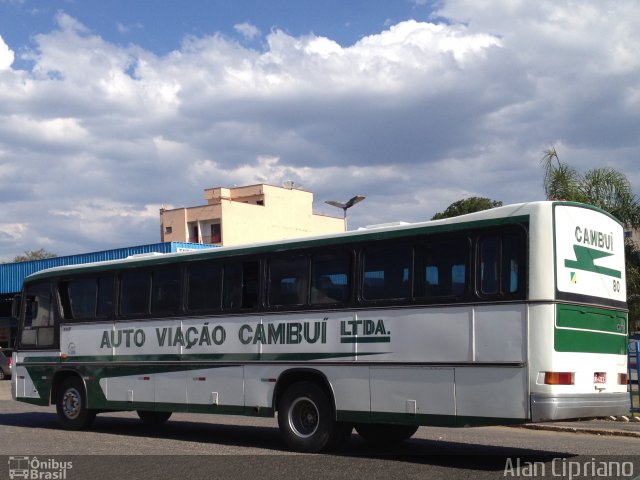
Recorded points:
(565, 406)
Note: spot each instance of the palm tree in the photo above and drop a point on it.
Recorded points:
(605, 188)
(561, 181)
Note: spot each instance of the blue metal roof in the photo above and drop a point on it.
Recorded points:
(12, 274)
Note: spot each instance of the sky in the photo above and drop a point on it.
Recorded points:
(111, 110)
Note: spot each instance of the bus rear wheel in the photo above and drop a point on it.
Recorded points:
(71, 405)
(385, 434)
(153, 419)
(307, 421)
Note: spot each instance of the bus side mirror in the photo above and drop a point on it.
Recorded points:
(15, 306)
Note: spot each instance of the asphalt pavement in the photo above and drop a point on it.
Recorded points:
(624, 426)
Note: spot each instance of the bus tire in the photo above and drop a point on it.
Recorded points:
(153, 419)
(385, 434)
(71, 405)
(307, 421)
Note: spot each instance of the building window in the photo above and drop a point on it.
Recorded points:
(216, 233)
(168, 230)
(194, 233)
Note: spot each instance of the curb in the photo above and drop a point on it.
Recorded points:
(585, 430)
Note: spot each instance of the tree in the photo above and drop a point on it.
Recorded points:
(611, 191)
(604, 187)
(467, 205)
(34, 255)
(632, 257)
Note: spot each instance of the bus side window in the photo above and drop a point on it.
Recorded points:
(82, 298)
(38, 323)
(65, 301)
(289, 281)
(330, 278)
(241, 285)
(489, 260)
(387, 273)
(442, 268)
(104, 307)
(499, 267)
(510, 264)
(165, 290)
(204, 286)
(135, 289)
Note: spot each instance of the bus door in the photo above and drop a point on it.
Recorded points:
(38, 331)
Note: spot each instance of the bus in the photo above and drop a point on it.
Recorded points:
(510, 315)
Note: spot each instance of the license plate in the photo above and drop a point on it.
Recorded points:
(599, 377)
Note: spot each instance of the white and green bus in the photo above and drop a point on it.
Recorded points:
(510, 315)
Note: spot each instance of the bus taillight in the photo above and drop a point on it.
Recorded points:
(559, 378)
(623, 379)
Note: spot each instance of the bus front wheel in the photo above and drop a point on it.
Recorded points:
(306, 419)
(71, 405)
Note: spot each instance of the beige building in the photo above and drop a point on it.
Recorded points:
(254, 213)
(633, 235)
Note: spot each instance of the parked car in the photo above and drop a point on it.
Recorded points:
(5, 365)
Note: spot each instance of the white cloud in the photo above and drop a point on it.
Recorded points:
(13, 232)
(6, 56)
(247, 30)
(96, 136)
(128, 28)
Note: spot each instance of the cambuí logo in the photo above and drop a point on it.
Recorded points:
(585, 260)
(586, 255)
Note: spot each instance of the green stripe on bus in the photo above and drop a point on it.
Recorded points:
(590, 330)
(365, 340)
(143, 360)
(589, 342)
(590, 318)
